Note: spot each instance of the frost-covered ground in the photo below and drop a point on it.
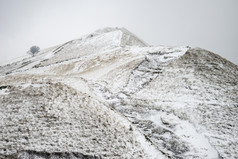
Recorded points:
(110, 95)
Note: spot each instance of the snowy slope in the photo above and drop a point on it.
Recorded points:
(109, 94)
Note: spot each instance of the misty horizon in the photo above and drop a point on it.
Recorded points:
(206, 24)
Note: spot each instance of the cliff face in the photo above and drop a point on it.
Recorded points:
(110, 95)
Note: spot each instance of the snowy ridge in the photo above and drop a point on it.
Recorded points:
(110, 95)
(72, 121)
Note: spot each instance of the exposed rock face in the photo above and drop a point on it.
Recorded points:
(109, 95)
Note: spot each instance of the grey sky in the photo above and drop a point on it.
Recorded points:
(210, 24)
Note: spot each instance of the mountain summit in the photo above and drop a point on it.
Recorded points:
(110, 95)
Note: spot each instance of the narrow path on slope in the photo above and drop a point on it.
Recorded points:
(175, 137)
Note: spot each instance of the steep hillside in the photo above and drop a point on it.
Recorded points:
(110, 95)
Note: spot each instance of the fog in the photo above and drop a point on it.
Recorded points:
(207, 24)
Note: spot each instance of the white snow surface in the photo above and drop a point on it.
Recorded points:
(110, 94)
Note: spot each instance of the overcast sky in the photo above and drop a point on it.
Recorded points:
(209, 24)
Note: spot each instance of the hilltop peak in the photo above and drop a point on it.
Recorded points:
(122, 36)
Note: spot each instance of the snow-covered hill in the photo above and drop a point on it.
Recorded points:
(110, 95)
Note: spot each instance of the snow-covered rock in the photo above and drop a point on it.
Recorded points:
(110, 95)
